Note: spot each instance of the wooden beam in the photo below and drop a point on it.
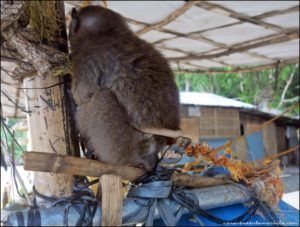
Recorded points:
(196, 181)
(112, 200)
(228, 12)
(197, 66)
(222, 46)
(252, 41)
(184, 52)
(282, 38)
(55, 163)
(260, 56)
(258, 17)
(241, 70)
(189, 54)
(178, 12)
(277, 12)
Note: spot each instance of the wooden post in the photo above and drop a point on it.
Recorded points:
(49, 122)
(46, 132)
(112, 200)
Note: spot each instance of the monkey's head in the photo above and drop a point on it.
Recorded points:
(95, 21)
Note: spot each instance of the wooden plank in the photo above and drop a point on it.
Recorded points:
(190, 128)
(269, 138)
(292, 142)
(55, 163)
(219, 123)
(281, 138)
(112, 200)
(241, 149)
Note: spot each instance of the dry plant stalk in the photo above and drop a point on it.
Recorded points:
(43, 19)
(262, 177)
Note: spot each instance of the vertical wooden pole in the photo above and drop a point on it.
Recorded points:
(112, 200)
(49, 123)
(46, 132)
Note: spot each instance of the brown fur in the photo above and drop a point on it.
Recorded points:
(120, 83)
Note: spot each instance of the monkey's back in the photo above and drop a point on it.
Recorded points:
(137, 74)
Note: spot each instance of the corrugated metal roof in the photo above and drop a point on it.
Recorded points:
(209, 99)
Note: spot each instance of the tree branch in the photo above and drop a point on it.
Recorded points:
(43, 58)
(292, 100)
(10, 12)
(28, 51)
(288, 83)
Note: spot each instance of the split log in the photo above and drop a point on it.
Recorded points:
(57, 163)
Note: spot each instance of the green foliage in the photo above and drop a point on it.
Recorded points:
(19, 135)
(251, 87)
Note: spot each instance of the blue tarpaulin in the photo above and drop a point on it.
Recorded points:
(287, 215)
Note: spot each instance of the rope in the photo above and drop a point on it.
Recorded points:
(82, 195)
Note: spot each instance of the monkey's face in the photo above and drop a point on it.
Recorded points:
(92, 22)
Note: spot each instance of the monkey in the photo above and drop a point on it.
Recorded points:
(120, 84)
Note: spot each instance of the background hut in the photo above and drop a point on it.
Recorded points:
(216, 119)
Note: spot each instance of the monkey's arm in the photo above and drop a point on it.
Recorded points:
(85, 79)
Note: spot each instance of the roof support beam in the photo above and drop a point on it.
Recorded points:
(171, 17)
(277, 12)
(231, 50)
(227, 12)
(188, 54)
(258, 17)
(241, 70)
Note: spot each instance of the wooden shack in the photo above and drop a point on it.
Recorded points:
(215, 119)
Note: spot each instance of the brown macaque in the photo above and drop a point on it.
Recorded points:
(120, 84)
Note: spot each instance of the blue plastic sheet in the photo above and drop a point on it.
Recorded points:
(287, 215)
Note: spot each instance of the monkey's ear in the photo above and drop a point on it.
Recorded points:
(75, 21)
(74, 13)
